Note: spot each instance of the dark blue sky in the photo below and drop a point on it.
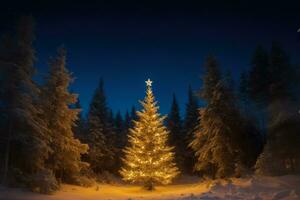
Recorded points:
(125, 43)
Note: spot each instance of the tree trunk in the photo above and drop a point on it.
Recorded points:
(149, 185)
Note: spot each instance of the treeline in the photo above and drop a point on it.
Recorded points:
(252, 127)
(39, 149)
(255, 128)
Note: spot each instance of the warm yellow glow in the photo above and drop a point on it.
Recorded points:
(148, 158)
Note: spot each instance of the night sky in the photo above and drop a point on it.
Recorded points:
(126, 43)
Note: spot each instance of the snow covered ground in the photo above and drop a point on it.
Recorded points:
(255, 188)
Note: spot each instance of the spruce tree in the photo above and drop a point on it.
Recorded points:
(148, 158)
(284, 77)
(211, 79)
(189, 127)
(216, 141)
(102, 151)
(133, 115)
(80, 125)
(27, 136)
(244, 92)
(118, 122)
(121, 137)
(281, 153)
(111, 132)
(112, 135)
(127, 121)
(174, 125)
(258, 88)
(65, 159)
(191, 114)
(253, 136)
(258, 80)
(127, 126)
(120, 130)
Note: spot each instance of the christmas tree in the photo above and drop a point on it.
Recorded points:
(148, 158)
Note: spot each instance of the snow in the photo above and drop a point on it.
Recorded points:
(189, 188)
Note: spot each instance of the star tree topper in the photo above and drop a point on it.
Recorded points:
(148, 82)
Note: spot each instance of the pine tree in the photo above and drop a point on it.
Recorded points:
(127, 126)
(26, 147)
(253, 136)
(65, 159)
(212, 79)
(127, 121)
(110, 122)
(174, 125)
(189, 127)
(216, 141)
(118, 123)
(259, 77)
(111, 133)
(148, 158)
(121, 138)
(258, 88)
(174, 121)
(133, 116)
(244, 92)
(112, 137)
(281, 153)
(101, 155)
(80, 125)
(120, 132)
(283, 75)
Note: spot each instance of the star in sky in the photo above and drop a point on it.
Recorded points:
(148, 82)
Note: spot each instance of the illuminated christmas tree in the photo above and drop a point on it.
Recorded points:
(148, 158)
